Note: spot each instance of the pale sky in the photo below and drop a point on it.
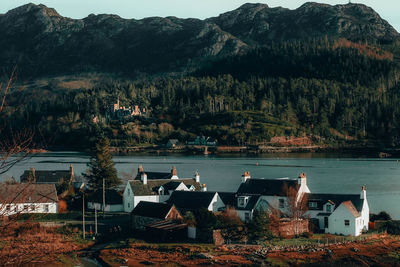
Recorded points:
(137, 9)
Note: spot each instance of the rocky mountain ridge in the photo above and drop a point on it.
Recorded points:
(41, 41)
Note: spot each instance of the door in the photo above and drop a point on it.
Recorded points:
(325, 222)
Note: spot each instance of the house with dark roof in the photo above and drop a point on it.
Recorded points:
(192, 201)
(113, 200)
(48, 177)
(261, 193)
(146, 213)
(156, 190)
(339, 213)
(28, 198)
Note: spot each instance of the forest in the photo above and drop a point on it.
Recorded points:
(337, 91)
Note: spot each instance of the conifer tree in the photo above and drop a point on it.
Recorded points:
(101, 166)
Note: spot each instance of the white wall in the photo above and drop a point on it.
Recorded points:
(127, 198)
(20, 208)
(216, 203)
(191, 232)
(153, 198)
(365, 215)
(109, 208)
(336, 223)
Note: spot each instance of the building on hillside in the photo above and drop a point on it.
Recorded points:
(113, 200)
(193, 201)
(203, 141)
(264, 194)
(172, 143)
(339, 213)
(156, 187)
(119, 112)
(28, 198)
(48, 177)
(146, 213)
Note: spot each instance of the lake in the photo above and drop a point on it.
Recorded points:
(326, 173)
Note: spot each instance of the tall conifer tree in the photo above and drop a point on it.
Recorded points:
(101, 166)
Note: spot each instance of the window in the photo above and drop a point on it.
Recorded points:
(129, 205)
(247, 216)
(33, 207)
(312, 205)
(8, 207)
(328, 208)
(25, 207)
(281, 203)
(241, 202)
(129, 191)
(46, 207)
(346, 222)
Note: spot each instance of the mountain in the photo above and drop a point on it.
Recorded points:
(42, 42)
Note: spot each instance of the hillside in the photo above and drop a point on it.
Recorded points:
(330, 73)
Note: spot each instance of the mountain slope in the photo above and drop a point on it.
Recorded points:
(42, 42)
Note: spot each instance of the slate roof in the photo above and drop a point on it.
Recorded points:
(189, 200)
(28, 193)
(47, 177)
(337, 199)
(152, 209)
(152, 186)
(229, 198)
(112, 197)
(155, 175)
(349, 205)
(172, 185)
(266, 187)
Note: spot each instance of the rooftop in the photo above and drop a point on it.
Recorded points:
(28, 193)
(267, 187)
(152, 209)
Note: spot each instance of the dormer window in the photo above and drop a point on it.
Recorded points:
(312, 205)
(161, 190)
(242, 201)
(328, 208)
(192, 188)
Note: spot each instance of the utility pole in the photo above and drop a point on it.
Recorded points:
(95, 220)
(83, 214)
(104, 198)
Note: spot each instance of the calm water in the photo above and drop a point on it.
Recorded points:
(326, 173)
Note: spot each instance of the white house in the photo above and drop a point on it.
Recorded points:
(28, 198)
(263, 193)
(191, 201)
(156, 187)
(339, 213)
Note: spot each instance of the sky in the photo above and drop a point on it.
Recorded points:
(137, 9)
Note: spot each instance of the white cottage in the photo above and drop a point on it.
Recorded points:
(28, 198)
(339, 213)
(156, 187)
(113, 201)
(264, 193)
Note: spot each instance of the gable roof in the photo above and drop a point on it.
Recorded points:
(349, 205)
(190, 200)
(266, 187)
(229, 198)
(112, 197)
(172, 185)
(336, 199)
(152, 209)
(48, 177)
(152, 186)
(28, 193)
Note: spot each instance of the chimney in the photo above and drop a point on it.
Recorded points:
(245, 176)
(302, 179)
(143, 178)
(140, 169)
(204, 188)
(174, 173)
(363, 194)
(197, 177)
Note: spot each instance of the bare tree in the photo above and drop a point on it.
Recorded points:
(296, 207)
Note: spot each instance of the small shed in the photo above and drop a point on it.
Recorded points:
(167, 231)
(172, 143)
(146, 213)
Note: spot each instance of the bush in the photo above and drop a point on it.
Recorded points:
(382, 216)
(393, 227)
